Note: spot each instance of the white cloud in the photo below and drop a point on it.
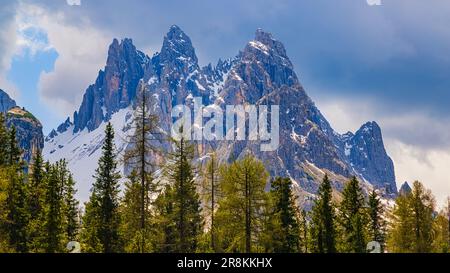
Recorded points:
(73, 2)
(8, 37)
(81, 53)
(374, 2)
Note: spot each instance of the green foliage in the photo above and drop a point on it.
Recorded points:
(442, 230)
(17, 211)
(210, 195)
(323, 226)
(135, 238)
(55, 237)
(182, 201)
(377, 224)
(102, 219)
(71, 209)
(352, 218)
(37, 187)
(244, 202)
(142, 158)
(412, 222)
(285, 216)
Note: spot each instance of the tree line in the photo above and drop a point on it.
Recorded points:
(219, 207)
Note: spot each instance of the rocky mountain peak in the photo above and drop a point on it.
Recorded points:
(367, 155)
(265, 43)
(115, 86)
(370, 128)
(177, 49)
(405, 189)
(6, 102)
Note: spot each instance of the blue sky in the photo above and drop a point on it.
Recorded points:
(359, 62)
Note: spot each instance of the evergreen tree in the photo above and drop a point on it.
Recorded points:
(323, 228)
(400, 236)
(141, 157)
(13, 151)
(377, 224)
(4, 183)
(4, 139)
(17, 216)
(102, 220)
(135, 238)
(211, 195)
(352, 218)
(303, 231)
(167, 234)
(422, 206)
(285, 213)
(441, 238)
(54, 238)
(36, 201)
(185, 200)
(240, 211)
(17, 210)
(412, 222)
(71, 209)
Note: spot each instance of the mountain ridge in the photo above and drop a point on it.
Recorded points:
(260, 74)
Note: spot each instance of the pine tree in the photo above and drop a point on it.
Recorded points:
(184, 197)
(54, 238)
(135, 238)
(36, 201)
(4, 184)
(400, 236)
(441, 227)
(141, 158)
(285, 213)
(4, 137)
(303, 231)
(242, 206)
(13, 151)
(352, 218)
(323, 227)
(17, 210)
(422, 205)
(211, 194)
(377, 224)
(17, 217)
(71, 209)
(102, 219)
(412, 222)
(167, 234)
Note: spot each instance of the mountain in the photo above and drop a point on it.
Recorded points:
(6, 102)
(405, 189)
(261, 74)
(29, 129)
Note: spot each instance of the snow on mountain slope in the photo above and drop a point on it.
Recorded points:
(83, 149)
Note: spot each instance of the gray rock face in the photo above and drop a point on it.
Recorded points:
(115, 87)
(405, 189)
(368, 157)
(29, 131)
(260, 74)
(6, 102)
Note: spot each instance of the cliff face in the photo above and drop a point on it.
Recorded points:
(115, 87)
(29, 131)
